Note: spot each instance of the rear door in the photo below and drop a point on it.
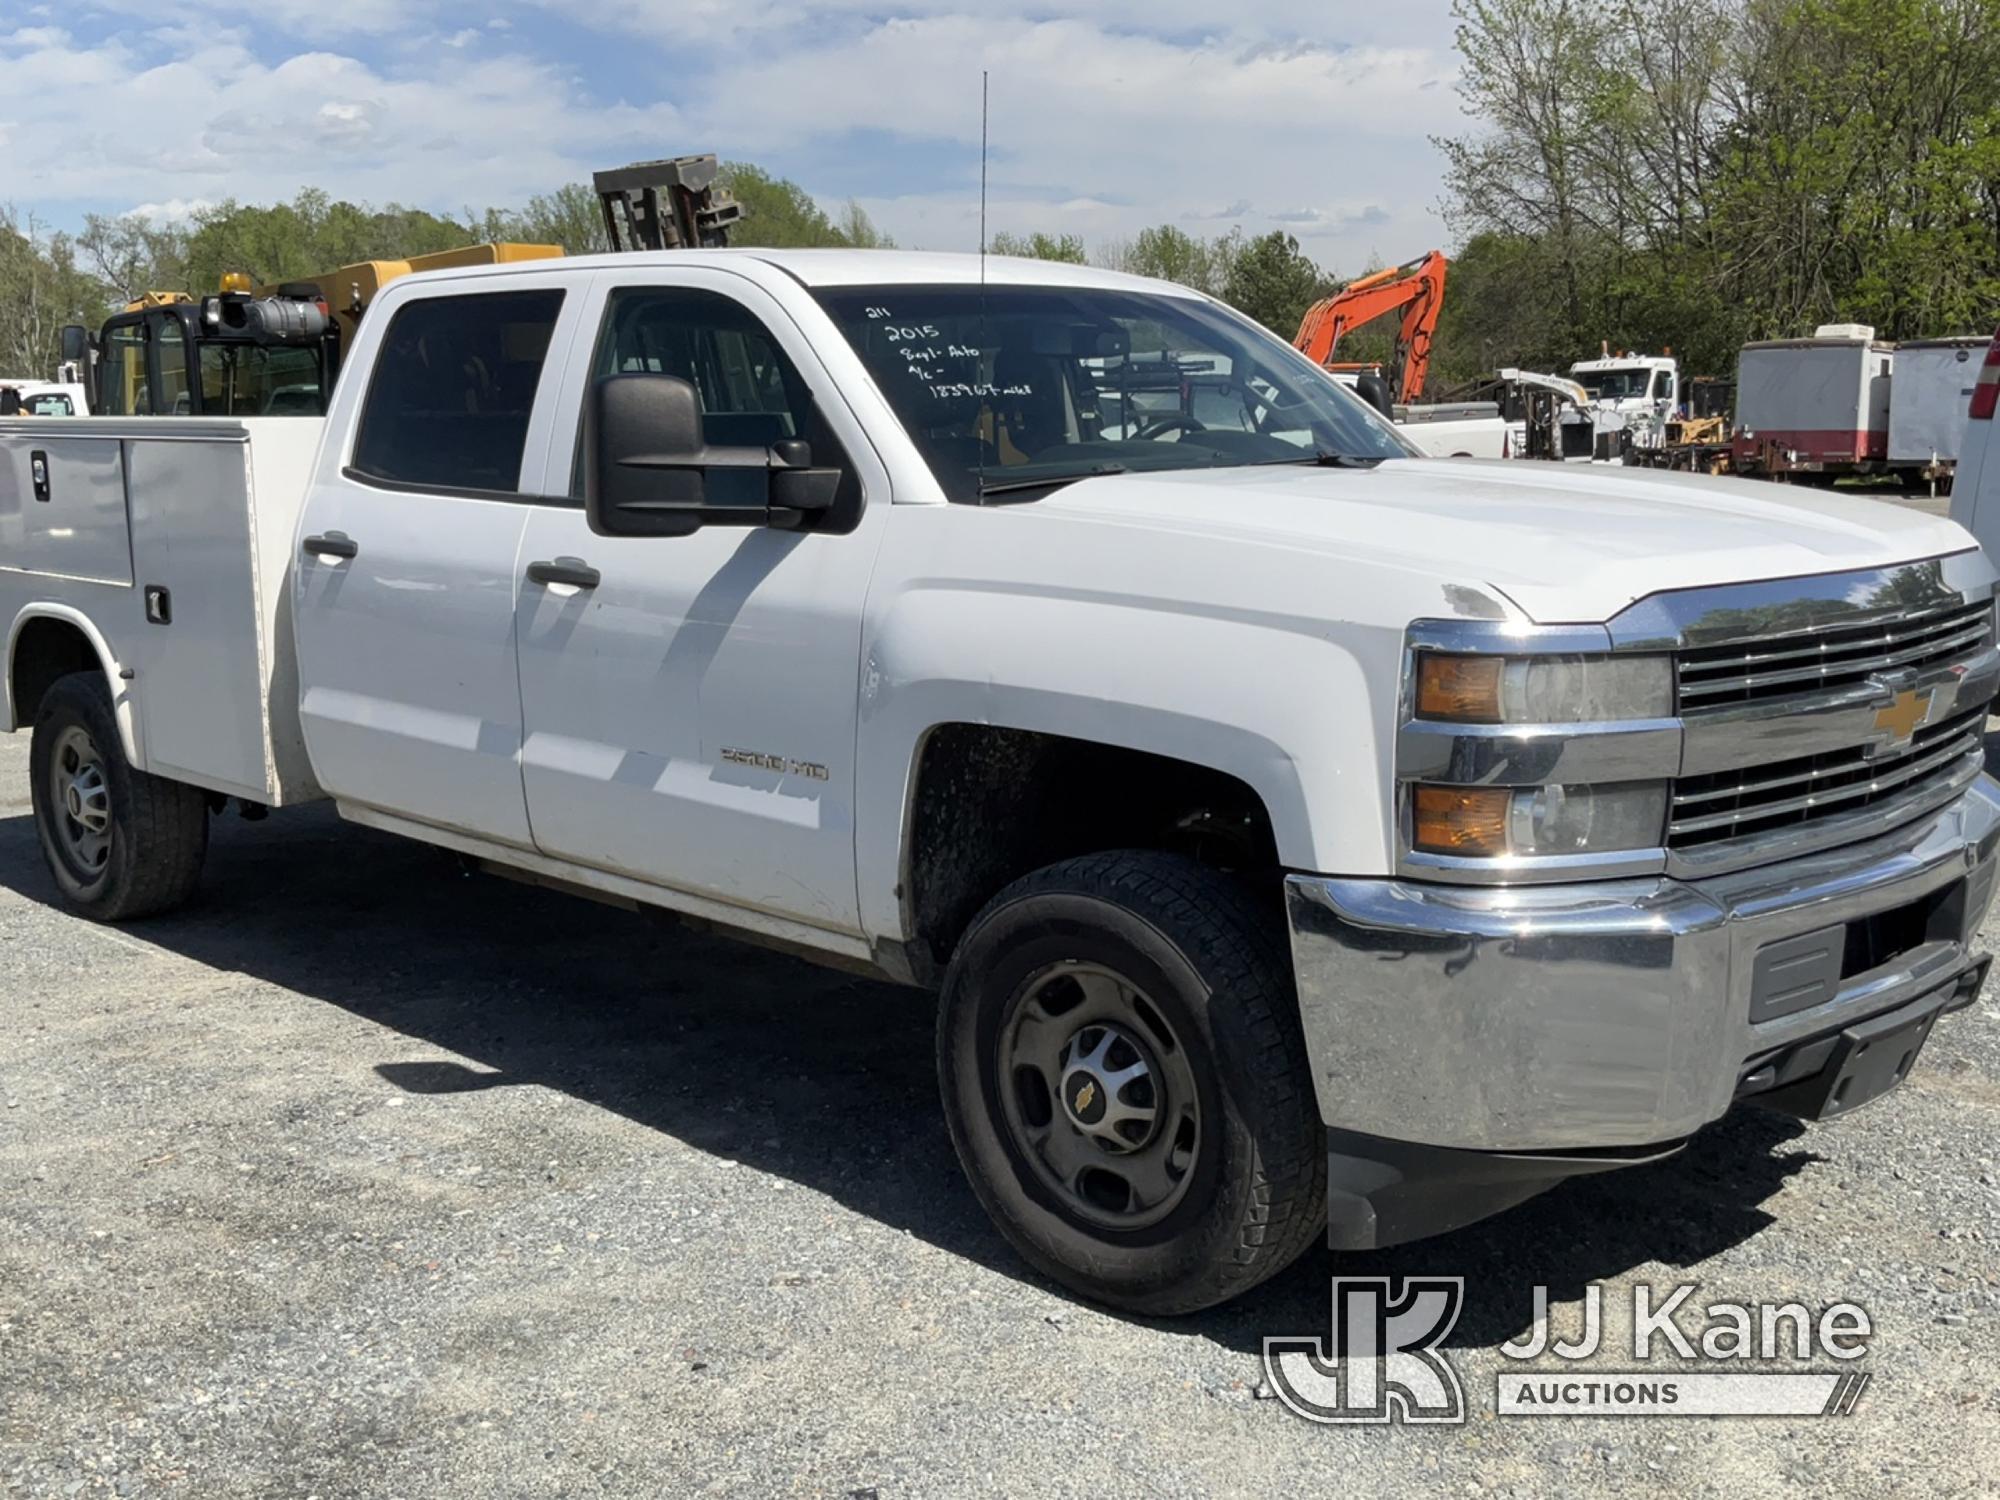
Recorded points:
(406, 579)
(691, 714)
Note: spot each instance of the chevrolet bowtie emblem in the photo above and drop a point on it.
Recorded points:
(1084, 1095)
(1903, 714)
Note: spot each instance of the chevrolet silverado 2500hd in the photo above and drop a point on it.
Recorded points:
(1304, 837)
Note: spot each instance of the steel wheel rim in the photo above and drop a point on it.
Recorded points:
(80, 793)
(1099, 1096)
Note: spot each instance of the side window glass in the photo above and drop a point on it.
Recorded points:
(123, 371)
(452, 389)
(172, 399)
(751, 396)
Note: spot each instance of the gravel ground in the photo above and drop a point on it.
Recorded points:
(364, 1177)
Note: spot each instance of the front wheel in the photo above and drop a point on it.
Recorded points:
(120, 843)
(1125, 1080)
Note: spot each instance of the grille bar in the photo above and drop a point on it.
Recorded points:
(1814, 786)
(1711, 676)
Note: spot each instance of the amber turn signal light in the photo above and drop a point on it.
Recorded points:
(1466, 820)
(1465, 689)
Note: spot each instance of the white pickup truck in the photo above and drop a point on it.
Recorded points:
(1304, 837)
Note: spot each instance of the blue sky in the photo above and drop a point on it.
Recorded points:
(1106, 117)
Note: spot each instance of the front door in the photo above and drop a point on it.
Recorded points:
(691, 715)
(408, 565)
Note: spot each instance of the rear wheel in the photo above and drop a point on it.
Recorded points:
(120, 843)
(1125, 1081)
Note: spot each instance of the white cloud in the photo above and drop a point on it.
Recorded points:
(172, 211)
(1107, 115)
(216, 122)
(1152, 129)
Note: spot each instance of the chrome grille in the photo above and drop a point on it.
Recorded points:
(1758, 799)
(1778, 666)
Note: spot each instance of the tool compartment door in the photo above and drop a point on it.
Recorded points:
(197, 682)
(63, 516)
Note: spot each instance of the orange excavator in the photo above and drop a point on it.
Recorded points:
(1416, 289)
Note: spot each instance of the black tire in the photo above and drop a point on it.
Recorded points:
(1214, 967)
(146, 858)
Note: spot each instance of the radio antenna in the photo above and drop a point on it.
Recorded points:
(982, 177)
(988, 419)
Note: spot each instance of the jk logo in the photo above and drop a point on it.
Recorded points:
(1380, 1363)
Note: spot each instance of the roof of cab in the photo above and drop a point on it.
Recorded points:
(836, 268)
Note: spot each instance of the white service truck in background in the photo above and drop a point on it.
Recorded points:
(1304, 837)
(1636, 392)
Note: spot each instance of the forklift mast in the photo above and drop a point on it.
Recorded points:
(671, 204)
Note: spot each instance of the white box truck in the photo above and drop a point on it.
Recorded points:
(1814, 408)
(1303, 837)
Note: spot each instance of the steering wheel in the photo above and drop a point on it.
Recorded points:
(1173, 421)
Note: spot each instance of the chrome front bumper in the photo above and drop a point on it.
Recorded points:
(1617, 1013)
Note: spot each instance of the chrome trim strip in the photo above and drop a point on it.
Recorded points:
(1827, 833)
(1703, 659)
(1778, 729)
(1527, 870)
(1752, 612)
(1512, 637)
(1962, 739)
(1971, 635)
(1538, 754)
(1758, 811)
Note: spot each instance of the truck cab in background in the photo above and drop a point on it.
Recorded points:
(1636, 391)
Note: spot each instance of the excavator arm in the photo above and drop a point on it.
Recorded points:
(1416, 289)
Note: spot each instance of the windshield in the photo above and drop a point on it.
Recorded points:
(1021, 386)
(1616, 385)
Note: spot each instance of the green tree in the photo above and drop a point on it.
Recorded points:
(1172, 254)
(1038, 246)
(311, 234)
(777, 212)
(42, 287)
(132, 254)
(1274, 281)
(858, 230)
(571, 217)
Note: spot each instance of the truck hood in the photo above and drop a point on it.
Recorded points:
(1566, 543)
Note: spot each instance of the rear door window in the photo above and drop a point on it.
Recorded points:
(452, 391)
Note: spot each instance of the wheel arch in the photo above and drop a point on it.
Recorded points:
(48, 640)
(986, 803)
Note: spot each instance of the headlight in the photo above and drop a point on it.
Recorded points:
(1494, 822)
(1543, 689)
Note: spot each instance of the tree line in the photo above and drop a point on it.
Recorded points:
(49, 278)
(1652, 174)
(1694, 174)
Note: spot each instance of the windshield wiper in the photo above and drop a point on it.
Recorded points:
(1046, 481)
(1323, 458)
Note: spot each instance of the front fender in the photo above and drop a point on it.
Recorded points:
(1281, 704)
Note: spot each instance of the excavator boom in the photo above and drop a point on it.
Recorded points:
(1415, 289)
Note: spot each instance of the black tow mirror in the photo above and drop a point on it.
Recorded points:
(649, 471)
(75, 343)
